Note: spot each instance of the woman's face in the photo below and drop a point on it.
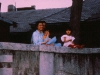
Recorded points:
(40, 27)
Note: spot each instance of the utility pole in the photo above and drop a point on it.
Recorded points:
(75, 18)
(0, 9)
(15, 7)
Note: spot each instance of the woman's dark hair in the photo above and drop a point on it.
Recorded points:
(36, 25)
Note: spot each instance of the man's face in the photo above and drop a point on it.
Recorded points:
(40, 27)
(44, 24)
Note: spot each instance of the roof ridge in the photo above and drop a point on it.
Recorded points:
(52, 14)
(31, 10)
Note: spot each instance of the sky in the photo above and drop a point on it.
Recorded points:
(39, 4)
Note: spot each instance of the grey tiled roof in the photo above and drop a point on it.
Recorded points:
(6, 21)
(95, 17)
(62, 16)
(23, 18)
(90, 7)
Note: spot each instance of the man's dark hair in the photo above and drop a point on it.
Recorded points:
(43, 22)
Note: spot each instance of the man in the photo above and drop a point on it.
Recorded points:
(37, 36)
(44, 24)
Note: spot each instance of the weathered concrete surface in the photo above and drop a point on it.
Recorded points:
(74, 64)
(43, 48)
(68, 50)
(6, 71)
(46, 63)
(24, 62)
(69, 61)
(18, 46)
(6, 58)
(28, 59)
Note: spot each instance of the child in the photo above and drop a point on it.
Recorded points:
(49, 41)
(46, 37)
(68, 40)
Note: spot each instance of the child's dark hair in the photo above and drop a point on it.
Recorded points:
(69, 28)
(46, 30)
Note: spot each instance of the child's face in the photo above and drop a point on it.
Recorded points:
(46, 33)
(68, 32)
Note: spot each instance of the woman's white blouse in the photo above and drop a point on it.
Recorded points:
(37, 38)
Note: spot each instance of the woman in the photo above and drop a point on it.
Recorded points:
(37, 36)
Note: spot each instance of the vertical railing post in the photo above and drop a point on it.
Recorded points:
(46, 63)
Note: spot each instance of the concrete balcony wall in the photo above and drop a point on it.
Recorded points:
(27, 59)
(19, 59)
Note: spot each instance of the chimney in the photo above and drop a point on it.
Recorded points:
(33, 7)
(0, 7)
(26, 8)
(11, 8)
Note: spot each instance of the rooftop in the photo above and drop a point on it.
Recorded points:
(55, 15)
(11, 23)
